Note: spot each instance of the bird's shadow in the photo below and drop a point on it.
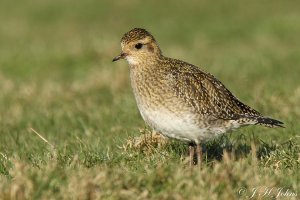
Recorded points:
(240, 147)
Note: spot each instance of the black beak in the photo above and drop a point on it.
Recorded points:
(121, 56)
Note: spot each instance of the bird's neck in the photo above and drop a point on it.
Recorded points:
(147, 63)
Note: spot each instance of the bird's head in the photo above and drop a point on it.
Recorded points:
(138, 46)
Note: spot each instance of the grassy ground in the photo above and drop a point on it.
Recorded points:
(56, 77)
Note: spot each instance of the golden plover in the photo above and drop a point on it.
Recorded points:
(178, 99)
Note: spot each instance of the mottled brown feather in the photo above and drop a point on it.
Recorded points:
(205, 93)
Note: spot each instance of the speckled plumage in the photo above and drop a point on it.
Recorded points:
(135, 35)
(179, 99)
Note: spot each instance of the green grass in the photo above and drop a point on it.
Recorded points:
(56, 76)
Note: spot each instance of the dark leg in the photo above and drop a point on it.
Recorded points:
(192, 154)
(199, 154)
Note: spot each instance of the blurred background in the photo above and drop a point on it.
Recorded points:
(56, 74)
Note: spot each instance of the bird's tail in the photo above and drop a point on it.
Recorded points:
(260, 120)
(268, 122)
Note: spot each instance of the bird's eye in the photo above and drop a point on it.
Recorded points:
(138, 45)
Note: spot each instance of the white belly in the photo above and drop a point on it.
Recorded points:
(183, 127)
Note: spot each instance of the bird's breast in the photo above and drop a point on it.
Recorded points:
(160, 107)
(152, 90)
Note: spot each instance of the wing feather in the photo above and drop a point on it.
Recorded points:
(208, 95)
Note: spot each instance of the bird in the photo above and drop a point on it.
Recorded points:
(179, 100)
